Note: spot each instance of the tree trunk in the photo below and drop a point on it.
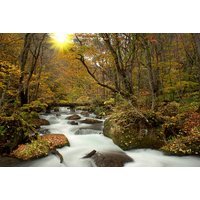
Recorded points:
(23, 60)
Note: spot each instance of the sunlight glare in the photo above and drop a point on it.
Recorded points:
(61, 41)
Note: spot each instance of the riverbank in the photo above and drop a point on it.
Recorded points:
(83, 142)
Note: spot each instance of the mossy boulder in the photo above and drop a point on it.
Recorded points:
(39, 122)
(129, 128)
(40, 147)
(36, 149)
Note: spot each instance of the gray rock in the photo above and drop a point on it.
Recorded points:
(73, 122)
(109, 159)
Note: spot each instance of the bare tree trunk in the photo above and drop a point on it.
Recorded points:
(23, 60)
(35, 57)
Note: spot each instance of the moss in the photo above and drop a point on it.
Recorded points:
(39, 122)
(130, 129)
(173, 126)
(185, 145)
(40, 147)
(100, 111)
(36, 149)
(35, 106)
(16, 131)
(170, 109)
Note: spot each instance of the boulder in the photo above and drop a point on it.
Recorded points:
(36, 149)
(56, 140)
(73, 122)
(129, 129)
(8, 161)
(85, 113)
(109, 158)
(56, 109)
(39, 122)
(73, 117)
(40, 147)
(91, 121)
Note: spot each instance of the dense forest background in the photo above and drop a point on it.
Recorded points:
(96, 67)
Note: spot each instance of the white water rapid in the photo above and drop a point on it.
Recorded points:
(82, 144)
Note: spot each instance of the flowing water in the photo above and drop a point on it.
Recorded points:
(84, 138)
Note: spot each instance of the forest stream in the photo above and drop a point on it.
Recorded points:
(85, 138)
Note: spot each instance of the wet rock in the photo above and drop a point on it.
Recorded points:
(39, 122)
(56, 140)
(58, 114)
(43, 131)
(73, 122)
(91, 121)
(85, 131)
(73, 117)
(85, 113)
(56, 109)
(8, 161)
(109, 159)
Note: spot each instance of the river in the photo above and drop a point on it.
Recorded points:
(93, 139)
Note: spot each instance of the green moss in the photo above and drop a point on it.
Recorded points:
(185, 145)
(15, 131)
(100, 111)
(170, 109)
(35, 106)
(40, 147)
(130, 129)
(36, 149)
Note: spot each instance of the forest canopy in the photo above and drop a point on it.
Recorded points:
(144, 68)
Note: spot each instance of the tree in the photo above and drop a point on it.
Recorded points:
(115, 52)
(32, 48)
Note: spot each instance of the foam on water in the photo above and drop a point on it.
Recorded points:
(80, 145)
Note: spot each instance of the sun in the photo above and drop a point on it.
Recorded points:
(61, 41)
